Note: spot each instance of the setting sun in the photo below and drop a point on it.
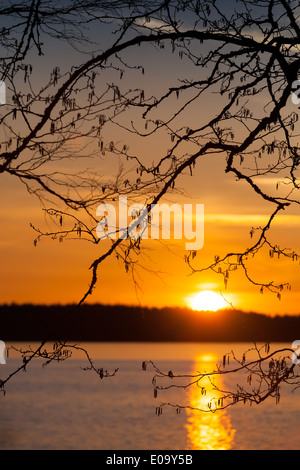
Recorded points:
(207, 301)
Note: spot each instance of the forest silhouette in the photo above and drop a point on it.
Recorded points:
(96, 322)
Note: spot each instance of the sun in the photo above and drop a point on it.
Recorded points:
(207, 300)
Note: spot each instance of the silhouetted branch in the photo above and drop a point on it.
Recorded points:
(262, 378)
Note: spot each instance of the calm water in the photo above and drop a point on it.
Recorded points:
(64, 407)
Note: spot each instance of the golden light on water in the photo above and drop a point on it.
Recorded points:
(207, 300)
(207, 430)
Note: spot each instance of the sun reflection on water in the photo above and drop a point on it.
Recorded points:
(207, 430)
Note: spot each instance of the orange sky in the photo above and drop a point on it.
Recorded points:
(56, 272)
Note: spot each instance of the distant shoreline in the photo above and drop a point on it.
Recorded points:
(106, 323)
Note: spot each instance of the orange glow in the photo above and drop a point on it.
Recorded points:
(207, 301)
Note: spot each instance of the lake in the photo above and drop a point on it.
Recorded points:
(62, 406)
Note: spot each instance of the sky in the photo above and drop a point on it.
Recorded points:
(54, 272)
